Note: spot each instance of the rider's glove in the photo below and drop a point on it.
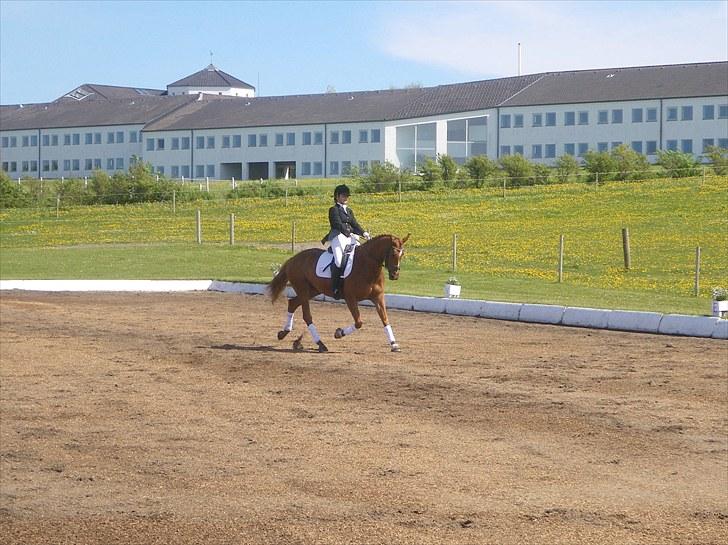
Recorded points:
(367, 235)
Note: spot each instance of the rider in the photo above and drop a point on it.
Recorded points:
(344, 229)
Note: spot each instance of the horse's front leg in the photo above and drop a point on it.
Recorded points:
(348, 330)
(382, 311)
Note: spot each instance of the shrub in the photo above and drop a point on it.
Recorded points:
(600, 165)
(541, 174)
(481, 169)
(719, 159)
(678, 164)
(629, 165)
(382, 177)
(430, 172)
(567, 168)
(518, 169)
(448, 167)
(11, 194)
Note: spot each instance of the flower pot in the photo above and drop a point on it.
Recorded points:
(452, 290)
(720, 308)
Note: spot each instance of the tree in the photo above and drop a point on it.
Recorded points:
(481, 169)
(431, 173)
(448, 167)
(629, 165)
(719, 159)
(518, 169)
(678, 164)
(541, 174)
(11, 194)
(567, 167)
(600, 165)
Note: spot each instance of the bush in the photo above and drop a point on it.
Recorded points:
(567, 168)
(448, 167)
(678, 164)
(719, 159)
(12, 194)
(481, 169)
(541, 174)
(629, 165)
(384, 177)
(600, 165)
(518, 169)
(431, 173)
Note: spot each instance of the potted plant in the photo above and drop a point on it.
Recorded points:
(452, 287)
(720, 302)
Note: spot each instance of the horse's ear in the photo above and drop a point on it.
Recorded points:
(405, 239)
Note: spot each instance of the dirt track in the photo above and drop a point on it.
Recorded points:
(180, 419)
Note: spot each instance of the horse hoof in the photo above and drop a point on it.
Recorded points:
(282, 334)
(395, 347)
(297, 344)
(338, 333)
(322, 347)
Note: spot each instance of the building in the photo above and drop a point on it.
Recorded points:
(210, 124)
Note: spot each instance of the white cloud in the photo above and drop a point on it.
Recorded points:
(479, 39)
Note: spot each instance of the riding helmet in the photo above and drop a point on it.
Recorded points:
(342, 189)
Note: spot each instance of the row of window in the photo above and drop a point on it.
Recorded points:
(69, 165)
(70, 139)
(649, 147)
(614, 116)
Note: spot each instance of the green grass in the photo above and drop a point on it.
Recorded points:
(507, 247)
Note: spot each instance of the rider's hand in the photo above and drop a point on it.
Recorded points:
(367, 235)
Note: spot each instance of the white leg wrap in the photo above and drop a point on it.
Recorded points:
(314, 333)
(288, 326)
(348, 330)
(390, 333)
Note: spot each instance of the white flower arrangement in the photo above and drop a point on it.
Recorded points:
(719, 294)
(453, 281)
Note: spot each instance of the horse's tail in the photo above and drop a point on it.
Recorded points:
(278, 284)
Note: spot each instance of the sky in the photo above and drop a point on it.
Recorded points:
(48, 48)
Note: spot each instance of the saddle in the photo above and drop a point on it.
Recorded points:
(323, 265)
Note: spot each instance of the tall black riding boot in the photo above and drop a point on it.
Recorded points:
(336, 281)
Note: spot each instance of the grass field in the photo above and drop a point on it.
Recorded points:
(507, 246)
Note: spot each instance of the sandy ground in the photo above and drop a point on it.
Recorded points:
(179, 418)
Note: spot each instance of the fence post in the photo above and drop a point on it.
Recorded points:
(58, 205)
(561, 258)
(399, 185)
(697, 271)
(232, 229)
(625, 248)
(286, 194)
(233, 182)
(703, 174)
(174, 201)
(85, 182)
(454, 252)
(199, 227)
(504, 188)
(18, 180)
(597, 180)
(293, 237)
(207, 183)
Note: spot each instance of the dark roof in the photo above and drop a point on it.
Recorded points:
(210, 77)
(94, 91)
(620, 84)
(88, 114)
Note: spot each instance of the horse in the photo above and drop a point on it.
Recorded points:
(366, 281)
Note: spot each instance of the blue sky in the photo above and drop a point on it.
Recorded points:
(48, 48)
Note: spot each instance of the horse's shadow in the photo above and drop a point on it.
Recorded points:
(253, 348)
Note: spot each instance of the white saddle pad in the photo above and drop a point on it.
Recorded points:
(323, 265)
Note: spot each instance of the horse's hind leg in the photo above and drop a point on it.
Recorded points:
(293, 304)
(312, 328)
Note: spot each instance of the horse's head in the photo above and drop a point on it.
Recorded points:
(394, 256)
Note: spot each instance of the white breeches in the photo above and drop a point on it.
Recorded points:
(337, 247)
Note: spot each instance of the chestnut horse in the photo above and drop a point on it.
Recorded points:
(366, 281)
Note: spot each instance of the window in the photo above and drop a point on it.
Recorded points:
(637, 146)
(210, 142)
(686, 113)
(686, 145)
(346, 137)
(334, 168)
(225, 141)
(97, 164)
(616, 116)
(550, 151)
(97, 139)
(54, 165)
(602, 147)
(569, 118)
(345, 168)
(160, 170)
(583, 118)
(602, 117)
(537, 120)
(671, 145)
(636, 115)
(13, 166)
(34, 140)
(88, 138)
(707, 142)
(279, 139)
(505, 121)
(517, 121)
(54, 139)
(133, 137)
(199, 171)
(262, 140)
(318, 168)
(376, 136)
(651, 147)
(26, 142)
(536, 151)
(550, 119)
(160, 143)
(334, 137)
(364, 137)
(185, 171)
(46, 141)
(110, 137)
(517, 150)
(306, 168)
(723, 111)
(119, 163)
(76, 138)
(150, 144)
(14, 142)
(46, 165)
(89, 164)
(318, 138)
(210, 171)
(119, 137)
(651, 115)
(66, 164)
(290, 139)
(583, 147)
(237, 141)
(25, 166)
(175, 171)
(505, 150)
(306, 138)
(5, 142)
(34, 166)
(109, 164)
(200, 143)
(672, 113)
(569, 149)
(708, 111)
(616, 144)
(723, 143)
(175, 143)
(252, 140)
(185, 144)
(76, 165)
(363, 167)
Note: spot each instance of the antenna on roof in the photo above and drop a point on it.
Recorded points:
(210, 57)
(519, 58)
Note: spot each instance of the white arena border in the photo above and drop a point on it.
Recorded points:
(618, 320)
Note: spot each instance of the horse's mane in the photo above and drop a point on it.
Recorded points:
(379, 237)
